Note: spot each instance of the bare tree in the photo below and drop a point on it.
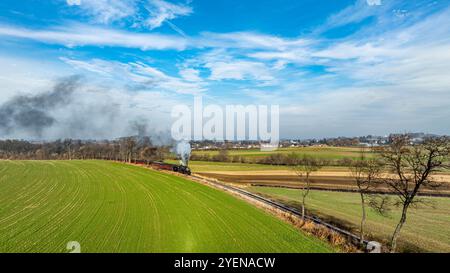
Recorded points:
(366, 173)
(68, 145)
(148, 153)
(127, 146)
(411, 168)
(304, 168)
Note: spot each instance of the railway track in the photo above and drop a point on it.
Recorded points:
(353, 238)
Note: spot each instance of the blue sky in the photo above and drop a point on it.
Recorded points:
(336, 68)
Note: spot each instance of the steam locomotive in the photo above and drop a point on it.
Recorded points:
(165, 166)
(171, 167)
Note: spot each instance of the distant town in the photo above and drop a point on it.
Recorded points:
(369, 141)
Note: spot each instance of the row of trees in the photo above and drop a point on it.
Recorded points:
(401, 170)
(124, 149)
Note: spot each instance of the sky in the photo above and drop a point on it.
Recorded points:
(105, 69)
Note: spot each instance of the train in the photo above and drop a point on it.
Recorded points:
(165, 166)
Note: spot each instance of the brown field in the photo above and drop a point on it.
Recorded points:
(339, 180)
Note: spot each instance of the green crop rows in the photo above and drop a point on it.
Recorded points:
(112, 207)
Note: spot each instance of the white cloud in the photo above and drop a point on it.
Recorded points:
(416, 56)
(248, 40)
(105, 11)
(149, 13)
(162, 11)
(360, 11)
(73, 2)
(299, 56)
(374, 2)
(138, 74)
(363, 52)
(190, 75)
(224, 65)
(239, 70)
(260, 46)
(82, 35)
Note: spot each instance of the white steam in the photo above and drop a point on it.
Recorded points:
(183, 150)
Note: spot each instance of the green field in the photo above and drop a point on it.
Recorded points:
(330, 153)
(427, 228)
(206, 166)
(112, 207)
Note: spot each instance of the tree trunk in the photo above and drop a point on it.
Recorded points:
(305, 194)
(363, 219)
(398, 228)
(303, 209)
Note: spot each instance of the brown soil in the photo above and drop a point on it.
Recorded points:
(339, 181)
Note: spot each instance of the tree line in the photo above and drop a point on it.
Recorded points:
(124, 149)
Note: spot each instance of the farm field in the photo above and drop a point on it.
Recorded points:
(112, 207)
(329, 177)
(427, 228)
(323, 179)
(225, 167)
(331, 153)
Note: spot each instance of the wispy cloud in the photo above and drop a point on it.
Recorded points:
(373, 2)
(249, 40)
(105, 11)
(416, 55)
(139, 75)
(73, 2)
(356, 13)
(239, 70)
(161, 11)
(150, 13)
(224, 65)
(190, 75)
(84, 35)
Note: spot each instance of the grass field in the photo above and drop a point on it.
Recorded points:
(427, 228)
(331, 153)
(112, 207)
(206, 166)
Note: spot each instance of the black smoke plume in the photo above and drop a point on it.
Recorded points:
(31, 113)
